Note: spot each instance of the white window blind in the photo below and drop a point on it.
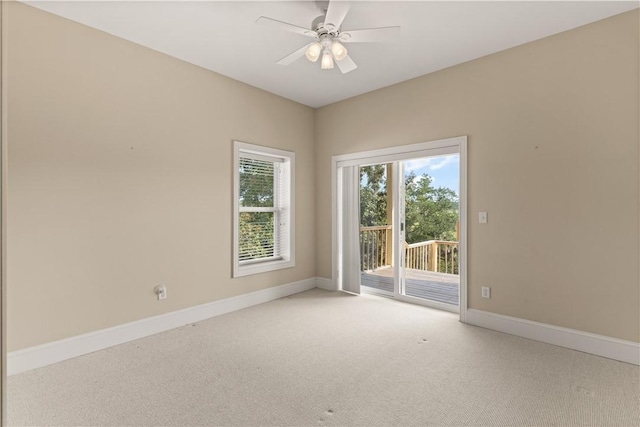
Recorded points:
(263, 215)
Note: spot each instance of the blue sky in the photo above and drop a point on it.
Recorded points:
(445, 170)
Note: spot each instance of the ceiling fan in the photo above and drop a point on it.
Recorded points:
(328, 37)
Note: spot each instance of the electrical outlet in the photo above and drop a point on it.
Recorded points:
(486, 292)
(161, 292)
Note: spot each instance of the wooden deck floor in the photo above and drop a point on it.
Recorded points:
(440, 287)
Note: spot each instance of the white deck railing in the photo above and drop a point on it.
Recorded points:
(375, 247)
(432, 255)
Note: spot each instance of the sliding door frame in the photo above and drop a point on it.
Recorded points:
(393, 154)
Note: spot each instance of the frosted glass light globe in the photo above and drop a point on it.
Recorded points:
(339, 51)
(313, 52)
(327, 61)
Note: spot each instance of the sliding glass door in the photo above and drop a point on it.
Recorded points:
(409, 229)
(431, 210)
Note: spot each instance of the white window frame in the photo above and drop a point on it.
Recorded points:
(285, 200)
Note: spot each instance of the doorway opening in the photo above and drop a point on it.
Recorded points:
(429, 205)
(400, 223)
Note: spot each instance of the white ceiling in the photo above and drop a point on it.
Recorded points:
(222, 36)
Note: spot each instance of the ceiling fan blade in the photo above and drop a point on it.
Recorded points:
(294, 56)
(346, 65)
(335, 14)
(273, 23)
(368, 35)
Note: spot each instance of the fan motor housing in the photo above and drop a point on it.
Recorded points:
(318, 26)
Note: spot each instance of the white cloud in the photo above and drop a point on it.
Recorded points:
(431, 163)
(444, 161)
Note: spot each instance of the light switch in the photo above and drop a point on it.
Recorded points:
(482, 217)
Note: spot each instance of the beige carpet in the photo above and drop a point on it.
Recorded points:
(322, 358)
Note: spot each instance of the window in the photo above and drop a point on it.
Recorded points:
(263, 209)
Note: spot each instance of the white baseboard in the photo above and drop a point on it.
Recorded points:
(326, 284)
(600, 345)
(57, 351)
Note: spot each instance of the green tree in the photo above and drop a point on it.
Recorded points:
(373, 195)
(431, 212)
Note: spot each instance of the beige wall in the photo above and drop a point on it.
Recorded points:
(120, 175)
(553, 157)
(120, 179)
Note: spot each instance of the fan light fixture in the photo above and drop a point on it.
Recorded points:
(332, 50)
(327, 60)
(313, 51)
